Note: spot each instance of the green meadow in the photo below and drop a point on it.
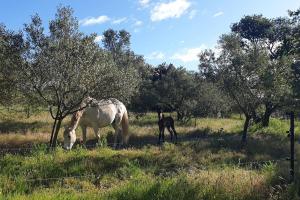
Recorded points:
(206, 163)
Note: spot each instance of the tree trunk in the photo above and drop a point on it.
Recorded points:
(53, 130)
(245, 130)
(266, 118)
(267, 114)
(57, 127)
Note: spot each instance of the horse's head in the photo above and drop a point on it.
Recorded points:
(69, 138)
(158, 110)
(159, 113)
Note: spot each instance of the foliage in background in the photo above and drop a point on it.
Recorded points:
(251, 69)
(65, 66)
(252, 72)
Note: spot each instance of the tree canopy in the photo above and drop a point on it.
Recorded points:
(65, 66)
(256, 70)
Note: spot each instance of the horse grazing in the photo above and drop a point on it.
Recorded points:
(98, 114)
(165, 122)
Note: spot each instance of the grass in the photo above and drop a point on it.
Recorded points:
(131, 174)
(148, 173)
(211, 167)
(145, 187)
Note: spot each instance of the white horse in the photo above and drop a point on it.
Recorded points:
(98, 114)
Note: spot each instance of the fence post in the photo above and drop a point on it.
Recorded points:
(292, 140)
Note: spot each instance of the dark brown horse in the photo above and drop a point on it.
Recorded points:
(165, 122)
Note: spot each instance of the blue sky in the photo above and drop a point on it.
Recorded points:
(172, 31)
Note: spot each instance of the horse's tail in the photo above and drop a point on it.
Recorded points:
(125, 127)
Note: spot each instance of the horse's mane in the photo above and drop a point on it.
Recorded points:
(77, 115)
(91, 102)
(75, 119)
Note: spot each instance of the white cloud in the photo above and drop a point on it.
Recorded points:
(99, 38)
(119, 21)
(218, 14)
(144, 3)
(189, 55)
(138, 23)
(173, 9)
(156, 55)
(94, 20)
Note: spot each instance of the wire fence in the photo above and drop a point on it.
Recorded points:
(94, 177)
(27, 150)
(250, 164)
(215, 184)
(244, 164)
(118, 145)
(61, 178)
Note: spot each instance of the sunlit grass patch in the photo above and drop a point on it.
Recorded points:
(207, 163)
(213, 184)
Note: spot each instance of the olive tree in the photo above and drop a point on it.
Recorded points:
(65, 66)
(262, 39)
(248, 75)
(11, 47)
(174, 89)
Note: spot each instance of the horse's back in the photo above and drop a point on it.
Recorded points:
(103, 112)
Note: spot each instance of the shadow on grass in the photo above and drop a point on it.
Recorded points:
(144, 122)
(259, 146)
(219, 148)
(11, 126)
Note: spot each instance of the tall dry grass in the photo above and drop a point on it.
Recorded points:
(209, 167)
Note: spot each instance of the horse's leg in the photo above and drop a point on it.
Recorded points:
(159, 132)
(163, 134)
(117, 132)
(83, 128)
(161, 126)
(171, 132)
(97, 134)
(174, 131)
